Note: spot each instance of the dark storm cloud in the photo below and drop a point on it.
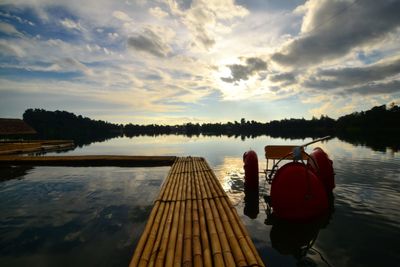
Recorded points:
(285, 78)
(257, 5)
(149, 42)
(376, 88)
(336, 27)
(348, 77)
(242, 72)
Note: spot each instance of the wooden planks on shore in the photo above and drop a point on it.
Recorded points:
(193, 223)
(88, 161)
(34, 146)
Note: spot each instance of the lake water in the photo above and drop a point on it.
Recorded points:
(64, 216)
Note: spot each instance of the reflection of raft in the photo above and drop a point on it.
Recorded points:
(301, 188)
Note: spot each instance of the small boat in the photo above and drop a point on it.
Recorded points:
(301, 184)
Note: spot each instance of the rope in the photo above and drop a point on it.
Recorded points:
(321, 256)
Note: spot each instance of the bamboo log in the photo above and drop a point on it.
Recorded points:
(194, 223)
(145, 235)
(160, 230)
(187, 239)
(228, 258)
(147, 239)
(86, 161)
(179, 242)
(249, 241)
(216, 249)
(234, 243)
(175, 225)
(165, 238)
(197, 252)
(243, 241)
(167, 180)
(203, 226)
(238, 226)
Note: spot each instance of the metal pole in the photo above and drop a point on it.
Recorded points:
(316, 140)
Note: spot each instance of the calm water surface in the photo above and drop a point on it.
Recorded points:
(64, 216)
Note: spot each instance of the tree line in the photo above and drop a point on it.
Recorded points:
(62, 124)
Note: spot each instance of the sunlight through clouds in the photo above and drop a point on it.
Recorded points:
(171, 57)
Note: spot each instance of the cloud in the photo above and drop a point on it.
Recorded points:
(121, 16)
(285, 78)
(17, 18)
(158, 13)
(70, 24)
(376, 88)
(351, 76)
(9, 29)
(203, 18)
(150, 42)
(331, 29)
(242, 72)
(8, 48)
(70, 64)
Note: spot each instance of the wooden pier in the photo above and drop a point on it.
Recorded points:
(193, 223)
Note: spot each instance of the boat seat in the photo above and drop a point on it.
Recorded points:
(275, 153)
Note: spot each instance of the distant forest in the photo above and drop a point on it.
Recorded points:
(378, 122)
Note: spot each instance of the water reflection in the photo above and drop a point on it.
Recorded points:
(365, 225)
(101, 211)
(59, 216)
(251, 202)
(297, 240)
(13, 172)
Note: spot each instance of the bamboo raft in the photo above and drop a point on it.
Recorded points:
(193, 223)
(33, 146)
(88, 161)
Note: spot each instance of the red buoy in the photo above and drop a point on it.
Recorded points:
(324, 168)
(250, 161)
(297, 194)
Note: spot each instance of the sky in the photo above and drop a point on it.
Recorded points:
(179, 61)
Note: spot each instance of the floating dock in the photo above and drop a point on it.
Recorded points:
(34, 146)
(88, 161)
(193, 223)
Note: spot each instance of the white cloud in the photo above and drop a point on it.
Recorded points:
(172, 54)
(9, 29)
(122, 16)
(158, 13)
(202, 18)
(70, 24)
(8, 48)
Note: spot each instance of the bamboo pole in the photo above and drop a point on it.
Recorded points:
(150, 238)
(165, 238)
(197, 251)
(194, 223)
(160, 230)
(175, 225)
(207, 260)
(187, 240)
(229, 261)
(216, 249)
(234, 243)
(177, 260)
(87, 160)
(243, 241)
(239, 225)
(167, 179)
(142, 241)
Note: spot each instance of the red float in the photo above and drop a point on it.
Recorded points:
(250, 161)
(324, 168)
(297, 194)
